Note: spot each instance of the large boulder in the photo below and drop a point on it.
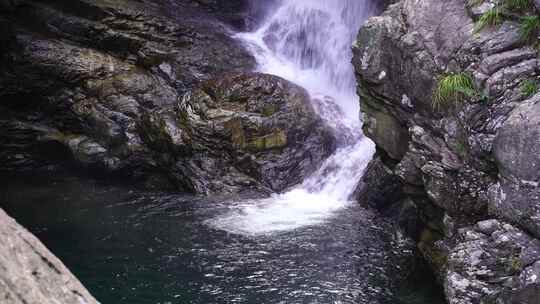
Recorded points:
(78, 78)
(241, 130)
(155, 91)
(31, 274)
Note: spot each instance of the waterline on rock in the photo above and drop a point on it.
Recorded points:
(309, 43)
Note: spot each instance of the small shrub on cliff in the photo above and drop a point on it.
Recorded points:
(490, 18)
(528, 88)
(529, 27)
(453, 88)
(518, 5)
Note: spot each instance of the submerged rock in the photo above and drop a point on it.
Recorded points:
(31, 273)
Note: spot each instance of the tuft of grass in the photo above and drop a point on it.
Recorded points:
(528, 88)
(529, 27)
(518, 5)
(490, 18)
(472, 3)
(453, 88)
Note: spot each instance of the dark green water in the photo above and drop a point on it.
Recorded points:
(133, 247)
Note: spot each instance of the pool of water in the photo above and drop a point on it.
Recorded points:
(128, 246)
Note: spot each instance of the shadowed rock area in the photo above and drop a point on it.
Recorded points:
(31, 273)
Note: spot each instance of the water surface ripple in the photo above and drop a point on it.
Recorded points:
(131, 247)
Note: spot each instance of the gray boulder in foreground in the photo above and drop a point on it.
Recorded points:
(30, 273)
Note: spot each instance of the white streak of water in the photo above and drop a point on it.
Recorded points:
(309, 43)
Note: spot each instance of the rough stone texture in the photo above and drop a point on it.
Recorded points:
(517, 148)
(30, 273)
(100, 84)
(493, 262)
(459, 164)
(379, 179)
(249, 130)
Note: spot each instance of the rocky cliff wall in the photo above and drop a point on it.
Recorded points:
(449, 95)
(115, 87)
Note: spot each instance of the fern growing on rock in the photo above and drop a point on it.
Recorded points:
(453, 88)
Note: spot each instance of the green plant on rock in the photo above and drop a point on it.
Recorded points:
(529, 27)
(472, 3)
(529, 88)
(453, 88)
(518, 5)
(490, 18)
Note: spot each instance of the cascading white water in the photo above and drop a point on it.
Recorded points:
(309, 43)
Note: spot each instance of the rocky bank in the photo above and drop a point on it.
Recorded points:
(156, 92)
(462, 171)
(32, 274)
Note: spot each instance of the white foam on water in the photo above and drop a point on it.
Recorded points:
(309, 43)
(314, 201)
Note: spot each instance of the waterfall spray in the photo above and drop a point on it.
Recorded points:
(309, 43)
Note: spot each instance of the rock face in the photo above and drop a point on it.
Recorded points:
(32, 274)
(468, 169)
(493, 262)
(108, 86)
(239, 132)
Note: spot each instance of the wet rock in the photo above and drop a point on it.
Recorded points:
(81, 79)
(389, 133)
(31, 273)
(378, 179)
(153, 108)
(263, 125)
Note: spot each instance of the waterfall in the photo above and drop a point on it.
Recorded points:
(309, 43)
